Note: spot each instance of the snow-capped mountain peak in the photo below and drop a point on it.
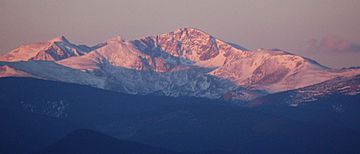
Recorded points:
(115, 39)
(188, 32)
(55, 49)
(60, 38)
(185, 62)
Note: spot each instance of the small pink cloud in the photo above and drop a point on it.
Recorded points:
(332, 44)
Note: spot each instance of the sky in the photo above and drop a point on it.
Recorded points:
(325, 30)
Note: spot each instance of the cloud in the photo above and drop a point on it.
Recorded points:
(333, 44)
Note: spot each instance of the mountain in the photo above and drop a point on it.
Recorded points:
(36, 114)
(185, 62)
(88, 141)
(53, 50)
(183, 49)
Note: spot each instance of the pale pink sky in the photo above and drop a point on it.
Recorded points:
(325, 30)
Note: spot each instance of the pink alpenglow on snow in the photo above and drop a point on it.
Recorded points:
(187, 61)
